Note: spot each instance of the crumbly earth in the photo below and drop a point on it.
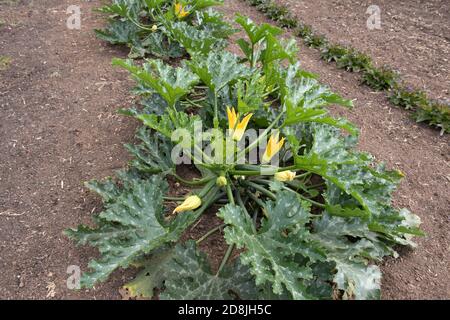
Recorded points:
(58, 96)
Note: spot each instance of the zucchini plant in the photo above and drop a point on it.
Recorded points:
(147, 26)
(309, 215)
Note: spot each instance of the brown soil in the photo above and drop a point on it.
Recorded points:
(414, 38)
(58, 127)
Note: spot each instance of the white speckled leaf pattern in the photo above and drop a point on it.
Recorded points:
(189, 276)
(271, 251)
(131, 224)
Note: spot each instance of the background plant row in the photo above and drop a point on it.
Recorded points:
(424, 109)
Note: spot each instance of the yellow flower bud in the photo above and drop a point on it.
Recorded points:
(285, 175)
(236, 127)
(179, 11)
(273, 146)
(191, 203)
(221, 181)
(154, 27)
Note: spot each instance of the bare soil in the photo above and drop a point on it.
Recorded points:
(58, 128)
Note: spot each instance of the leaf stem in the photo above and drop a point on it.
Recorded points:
(193, 182)
(260, 189)
(225, 259)
(210, 232)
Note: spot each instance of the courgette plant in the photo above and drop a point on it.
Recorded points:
(310, 225)
(143, 25)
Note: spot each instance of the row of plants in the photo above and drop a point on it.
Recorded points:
(424, 109)
(305, 215)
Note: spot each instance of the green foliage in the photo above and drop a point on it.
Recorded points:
(297, 239)
(379, 79)
(190, 277)
(271, 251)
(315, 41)
(354, 61)
(408, 99)
(170, 83)
(436, 115)
(146, 26)
(132, 224)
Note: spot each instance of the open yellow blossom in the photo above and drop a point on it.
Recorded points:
(285, 175)
(273, 146)
(236, 127)
(191, 203)
(179, 11)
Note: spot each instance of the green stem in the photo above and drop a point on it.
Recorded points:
(260, 189)
(194, 103)
(216, 112)
(270, 92)
(193, 182)
(169, 198)
(225, 259)
(257, 200)
(317, 204)
(230, 193)
(210, 232)
(206, 188)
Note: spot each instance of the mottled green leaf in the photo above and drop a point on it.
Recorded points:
(271, 251)
(189, 276)
(132, 224)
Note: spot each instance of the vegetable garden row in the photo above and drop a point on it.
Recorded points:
(309, 215)
(424, 109)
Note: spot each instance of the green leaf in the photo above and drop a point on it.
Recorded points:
(189, 276)
(196, 41)
(278, 50)
(361, 183)
(153, 155)
(219, 69)
(132, 224)
(271, 252)
(203, 4)
(119, 32)
(257, 32)
(354, 276)
(304, 99)
(250, 93)
(152, 274)
(214, 22)
(170, 83)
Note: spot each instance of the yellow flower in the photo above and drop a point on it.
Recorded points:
(179, 11)
(273, 146)
(154, 27)
(285, 175)
(236, 127)
(191, 203)
(221, 181)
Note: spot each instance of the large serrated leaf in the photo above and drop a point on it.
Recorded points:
(152, 275)
(272, 251)
(132, 224)
(219, 69)
(195, 41)
(153, 155)
(189, 276)
(170, 83)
